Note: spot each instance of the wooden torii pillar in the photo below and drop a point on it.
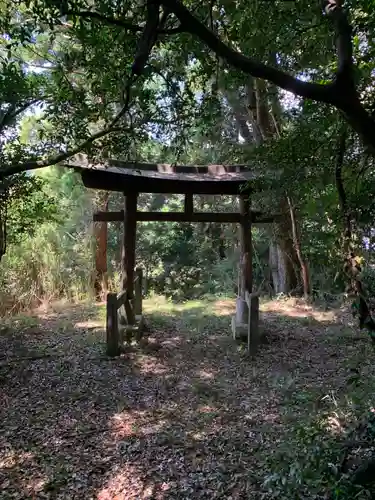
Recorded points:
(245, 322)
(246, 247)
(128, 256)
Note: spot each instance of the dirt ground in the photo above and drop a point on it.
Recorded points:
(186, 415)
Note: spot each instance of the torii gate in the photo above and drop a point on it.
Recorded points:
(134, 178)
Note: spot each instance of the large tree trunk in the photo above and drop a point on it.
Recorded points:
(263, 110)
(259, 119)
(352, 267)
(101, 232)
(269, 119)
(278, 270)
(284, 239)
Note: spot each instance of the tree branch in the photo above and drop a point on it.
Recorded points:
(88, 14)
(53, 160)
(345, 73)
(122, 23)
(323, 93)
(148, 38)
(341, 146)
(14, 111)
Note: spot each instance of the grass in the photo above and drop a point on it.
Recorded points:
(193, 315)
(187, 415)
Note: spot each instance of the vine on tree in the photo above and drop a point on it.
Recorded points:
(352, 263)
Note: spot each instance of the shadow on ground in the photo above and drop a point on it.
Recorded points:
(185, 415)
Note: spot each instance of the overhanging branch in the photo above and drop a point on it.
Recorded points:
(343, 29)
(113, 21)
(192, 25)
(53, 160)
(8, 116)
(148, 38)
(122, 23)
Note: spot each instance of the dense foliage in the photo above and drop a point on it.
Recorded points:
(111, 80)
(287, 89)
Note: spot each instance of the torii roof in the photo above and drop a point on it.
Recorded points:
(118, 175)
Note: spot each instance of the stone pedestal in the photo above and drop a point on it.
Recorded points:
(242, 311)
(239, 330)
(248, 332)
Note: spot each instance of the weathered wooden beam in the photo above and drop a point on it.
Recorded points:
(128, 253)
(128, 183)
(246, 245)
(121, 297)
(138, 292)
(80, 161)
(189, 205)
(189, 217)
(230, 217)
(129, 311)
(109, 216)
(113, 348)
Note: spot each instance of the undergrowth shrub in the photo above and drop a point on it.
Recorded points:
(309, 462)
(45, 268)
(368, 278)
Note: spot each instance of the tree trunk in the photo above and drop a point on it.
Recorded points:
(287, 230)
(288, 264)
(4, 196)
(252, 111)
(305, 275)
(264, 118)
(352, 267)
(263, 109)
(100, 232)
(277, 266)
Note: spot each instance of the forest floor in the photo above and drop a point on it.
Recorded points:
(187, 414)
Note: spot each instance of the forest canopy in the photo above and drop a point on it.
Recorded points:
(106, 76)
(286, 86)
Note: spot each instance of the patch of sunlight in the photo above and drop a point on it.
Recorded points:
(198, 436)
(57, 307)
(333, 424)
(36, 485)
(207, 375)
(150, 365)
(100, 312)
(158, 303)
(53, 308)
(161, 304)
(297, 309)
(12, 458)
(123, 425)
(334, 421)
(224, 307)
(207, 409)
(172, 342)
(191, 304)
(125, 480)
(154, 428)
(89, 324)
